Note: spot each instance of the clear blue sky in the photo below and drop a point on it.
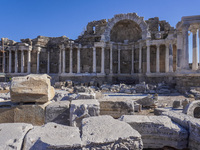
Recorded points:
(30, 18)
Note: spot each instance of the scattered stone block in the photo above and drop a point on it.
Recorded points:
(82, 109)
(148, 101)
(158, 131)
(177, 104)
(31, 88)
(30, 113)
(7, 112)
(12, 135)
(58, 112)
(104, 132)
(140, 88)
(116, 108)
(53, 136)
(185, 102)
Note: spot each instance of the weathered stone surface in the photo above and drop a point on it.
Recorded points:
(5, 96)
(104, 132)
(82, 109)
(148, 101)
(58, 112)
(6, 112)
(31, 88)
(193, 109)
(158, 131)
(12, 135)
(140, 88)
(116, 108)
(34, 114)
(176, 104)
(53, 136)
(61, 95)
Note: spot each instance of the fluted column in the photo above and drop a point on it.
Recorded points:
(140, 58)
(148, 57)
(29, 61)
(132, 60)
(63, 61)
(119, 49)
(60, 61)
(102, 60)
(185, 46)
(10, 61)
(94, 59)
(78, 59)
(158, 58)
(4, 57)
(16, 61)
(111, 58)
(71, 60)
(167, 58)
(195, 53)
(38, 60)
(48, 62)
(179, 50)
(171, 57)
(22, 61)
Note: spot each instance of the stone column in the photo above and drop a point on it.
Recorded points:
(10, 61)
(38, 60)
(194, 53)
(94, 59)
(4, 58)
(71, 60)
(179, 50)
(140, 58)
(185, 46)
(78, 59)
(119, 71)
(16, 61)
(132, 60)
(199, 48)
(158, 58)
(111, 58)
(22, 61)
(48, 62)
(148, 57)
(102, 60)
(60, 61)
(63, 61)
(29, 61)
(171, 57)
(167, 58)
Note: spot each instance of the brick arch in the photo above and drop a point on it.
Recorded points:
(130, 16)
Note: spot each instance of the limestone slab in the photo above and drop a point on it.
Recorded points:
(104, 132)
(12, 135)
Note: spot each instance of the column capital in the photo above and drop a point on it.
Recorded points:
(194, 30)
(185, 27)
(79, 45)
(157, 45)
(148, 43)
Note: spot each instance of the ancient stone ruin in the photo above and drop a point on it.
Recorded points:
(125, 83)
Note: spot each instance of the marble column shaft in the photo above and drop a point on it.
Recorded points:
(22, 61)
(48, 61)
(158, 58)
(16, 61)
(140, 58)
(38, 60)
(179, 50)
(29, 62)
(111, 59)
(102, 60)
(167, 58)
(171, 57)
(185, 46)
(71, 60)
(60, 61)
(10, 61)
(119, 71)
(132, 60)
(63, 61)
(78, 59)
(195, 53)
(148, 58)
(4, 61)
(94, 59)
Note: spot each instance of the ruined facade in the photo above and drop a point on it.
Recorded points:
(121, 48)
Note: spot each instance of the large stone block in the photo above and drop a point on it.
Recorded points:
(58, 112)
(53, 136)
(6, 112)
(28, 113)
(82, 109)
(31, 88)
(12, 135)
(104, 132)
(158, 131)
(116, 108)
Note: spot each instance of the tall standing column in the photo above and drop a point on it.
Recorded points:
(48, 62)
(132, 60)
(29, 61)
(195, 53)
(94, 59)
(22, 61)
(63, 61)
(4, 57)
(10, 61)
(185, 46)
(16, 61)
(167, 58)
(148, 57)
(171, 57)
(179, 50)
(111, 59)
(119, 71)
(78, 59)
(71, 60)
(38, 60)
(60, 61)
(158, 58)
(140, 58)
(102, 60)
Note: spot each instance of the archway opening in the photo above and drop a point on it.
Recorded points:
(125, 31)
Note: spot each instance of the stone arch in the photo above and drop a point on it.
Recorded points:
(192, 109)
(130, 16)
